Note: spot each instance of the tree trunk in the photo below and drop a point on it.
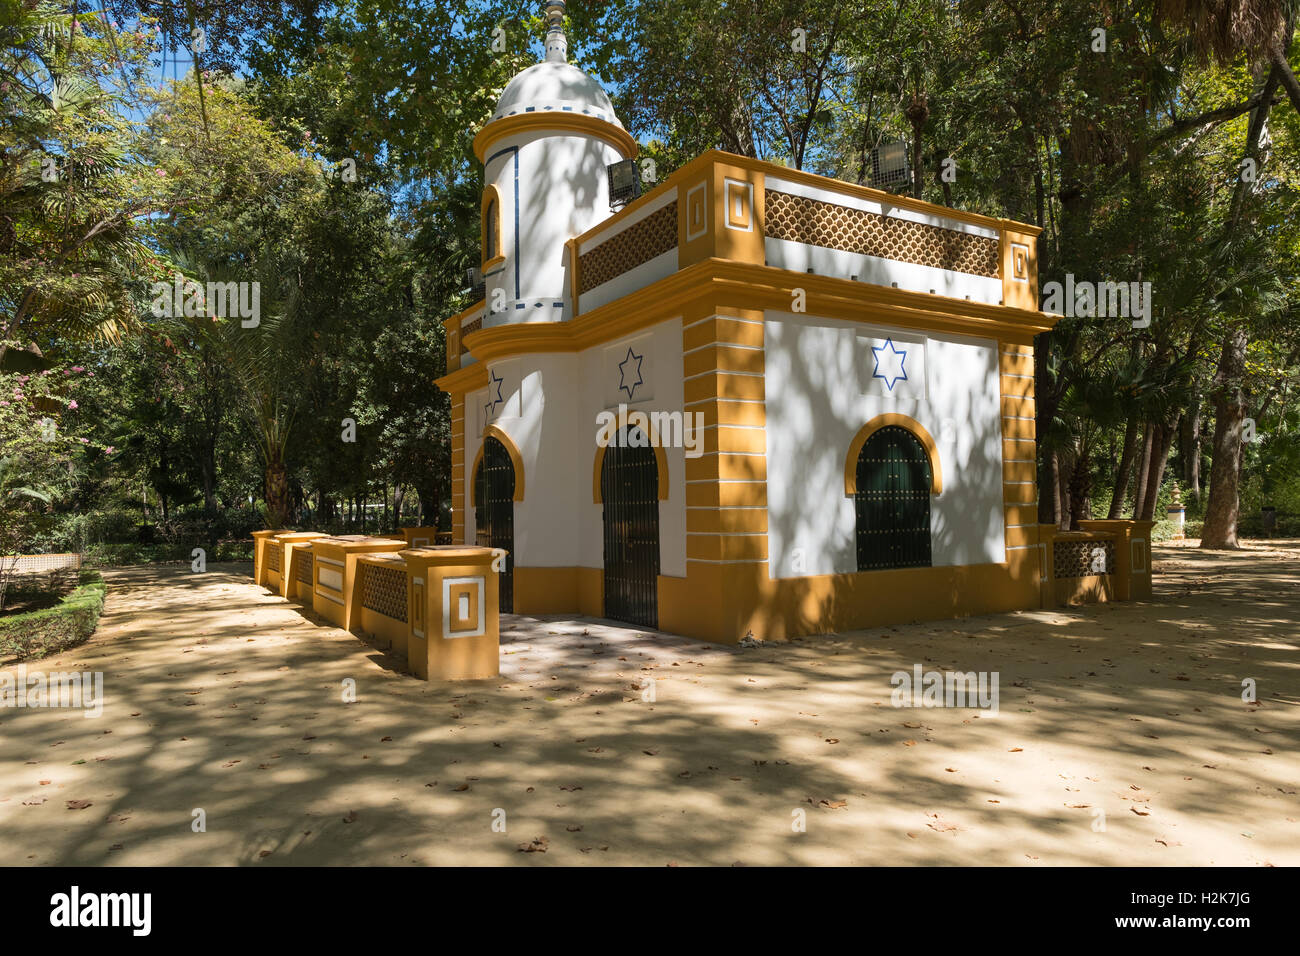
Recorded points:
(1277, 56)
(277, 491)
(399, 498)
(1065, 459)
(1162, 437)
(1222, 509)
(1144, 471)
(1191, 443)
(1080, 490)
(1125, 469)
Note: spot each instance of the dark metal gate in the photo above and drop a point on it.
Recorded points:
(494, 512)
(629, 487)
(893, 501)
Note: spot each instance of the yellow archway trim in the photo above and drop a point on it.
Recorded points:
(562, 120)
(516, 459)
(873, 426)
(661, 457)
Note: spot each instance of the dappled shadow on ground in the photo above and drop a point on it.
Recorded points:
(222, 697)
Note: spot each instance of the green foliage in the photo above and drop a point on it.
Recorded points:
(39, 456)
(52, 630)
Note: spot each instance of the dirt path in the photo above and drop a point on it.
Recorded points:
(223, 698)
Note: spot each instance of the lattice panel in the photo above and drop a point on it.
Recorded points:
(652, 236)
(465, 330)
(818, 223)
(305, 563)
(39, 563)
(383, 590)
(1081, 559)
(274, 555)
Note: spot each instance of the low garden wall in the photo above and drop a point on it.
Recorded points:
(436, 605)
(1105, 560)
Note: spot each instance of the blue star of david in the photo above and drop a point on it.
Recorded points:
(890, 376)
(490, 407)
(623, 375)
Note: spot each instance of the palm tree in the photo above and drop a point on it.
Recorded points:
(67, 237)
(1225, 29)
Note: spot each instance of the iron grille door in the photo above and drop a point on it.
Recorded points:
(629, 486)
(893, 501)
(494, 512)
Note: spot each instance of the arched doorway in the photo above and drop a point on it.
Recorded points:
(494, 512)
(892, 499)
(629, 489)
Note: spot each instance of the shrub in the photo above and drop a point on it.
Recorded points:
(54, 629)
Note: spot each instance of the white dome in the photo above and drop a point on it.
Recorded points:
(549, 86)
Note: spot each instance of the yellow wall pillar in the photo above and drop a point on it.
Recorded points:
(261, 539)
(291, 544)
(453, 613)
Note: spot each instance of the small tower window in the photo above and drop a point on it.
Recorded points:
(492, 248)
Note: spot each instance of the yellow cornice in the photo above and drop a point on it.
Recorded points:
(464, 379)
(747, 285)
(561, 120)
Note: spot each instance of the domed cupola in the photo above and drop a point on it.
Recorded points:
(545, 152)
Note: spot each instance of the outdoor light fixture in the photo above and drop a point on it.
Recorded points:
(889, 165)
(624, 183)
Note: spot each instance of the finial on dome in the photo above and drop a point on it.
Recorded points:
(557, 46)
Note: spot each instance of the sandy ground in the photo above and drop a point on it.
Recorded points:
(224, 698)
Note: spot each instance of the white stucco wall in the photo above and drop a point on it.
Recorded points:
(820, 392)
(548, 406)
(553, 186)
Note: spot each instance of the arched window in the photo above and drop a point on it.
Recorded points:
(892, 499)
(492, 247)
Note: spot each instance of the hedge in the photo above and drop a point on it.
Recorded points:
(54, 629)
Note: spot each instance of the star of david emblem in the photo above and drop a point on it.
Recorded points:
(625, 373)
(889, 363)
(490, 407)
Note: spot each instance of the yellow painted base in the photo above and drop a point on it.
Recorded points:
(386, 632)
(560, 591)
(727, 602)
(1092, 589)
